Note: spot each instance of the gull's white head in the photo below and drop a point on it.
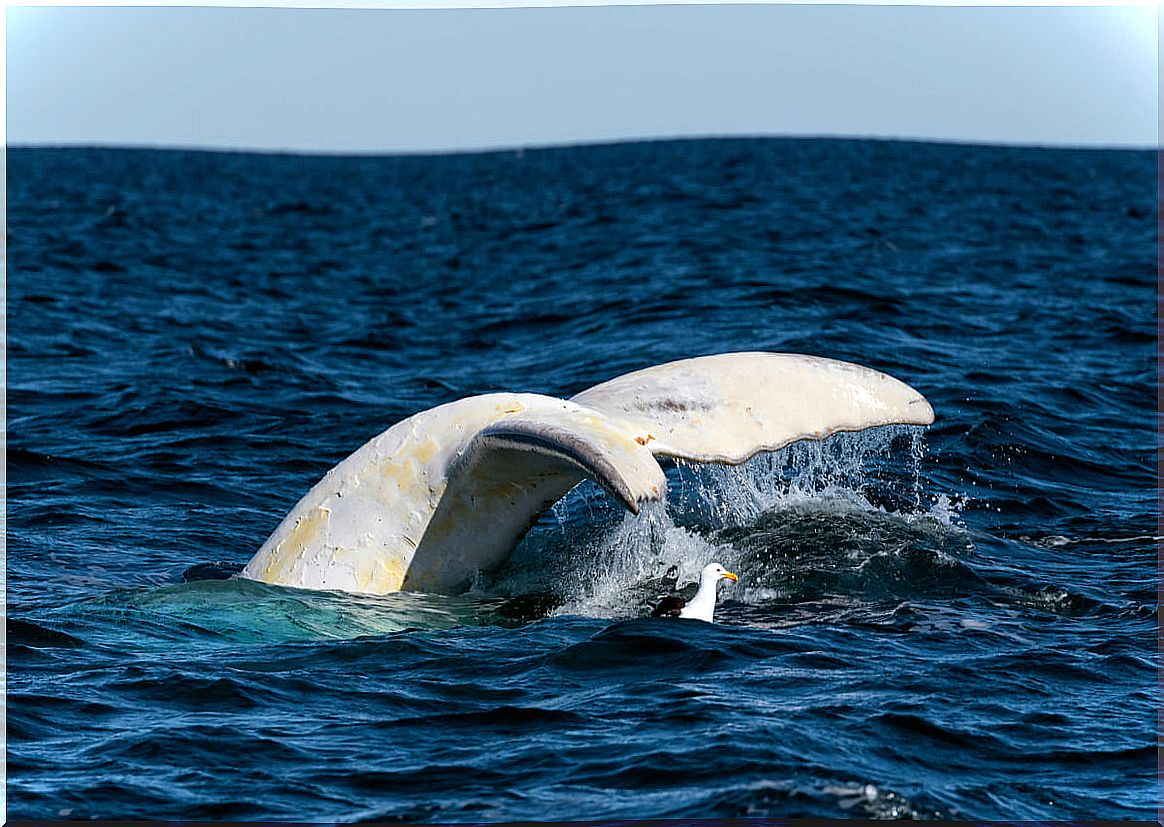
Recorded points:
(714, 572)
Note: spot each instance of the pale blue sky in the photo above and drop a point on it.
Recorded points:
(406, 80)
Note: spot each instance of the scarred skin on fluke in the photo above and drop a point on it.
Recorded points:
(450, 491)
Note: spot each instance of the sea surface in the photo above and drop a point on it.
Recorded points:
(953, 622)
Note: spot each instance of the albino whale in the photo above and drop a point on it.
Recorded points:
(450, 491)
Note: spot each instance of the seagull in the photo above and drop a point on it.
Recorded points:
(702, 606)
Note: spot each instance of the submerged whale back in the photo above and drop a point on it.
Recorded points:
(451, 491)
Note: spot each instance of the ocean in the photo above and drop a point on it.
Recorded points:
(952, 622)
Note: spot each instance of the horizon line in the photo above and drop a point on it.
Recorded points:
(498, 149)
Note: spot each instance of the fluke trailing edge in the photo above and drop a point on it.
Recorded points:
(450, 491)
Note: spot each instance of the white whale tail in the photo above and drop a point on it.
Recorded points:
(451, 491)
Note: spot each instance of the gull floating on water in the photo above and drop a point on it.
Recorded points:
(702, 606)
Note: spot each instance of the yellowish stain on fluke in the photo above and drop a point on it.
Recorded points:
(425, 451)
(282, 561)
(382, 574)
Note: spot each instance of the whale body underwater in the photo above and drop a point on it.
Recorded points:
(450, 491)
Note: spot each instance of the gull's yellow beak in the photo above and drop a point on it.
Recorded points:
(730, 576)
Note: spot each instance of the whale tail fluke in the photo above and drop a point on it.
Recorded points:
(450, 491)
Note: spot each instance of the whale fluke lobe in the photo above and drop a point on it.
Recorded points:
(450, 491)
(581, 442)
(729, 407)
(509, 474)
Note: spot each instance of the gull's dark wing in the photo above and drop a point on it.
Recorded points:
(669, 607)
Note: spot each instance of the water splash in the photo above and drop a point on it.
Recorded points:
(639, 558)
(851, 508)
(878, 804)
(866, 468)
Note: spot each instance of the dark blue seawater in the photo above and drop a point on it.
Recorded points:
(955, 623)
